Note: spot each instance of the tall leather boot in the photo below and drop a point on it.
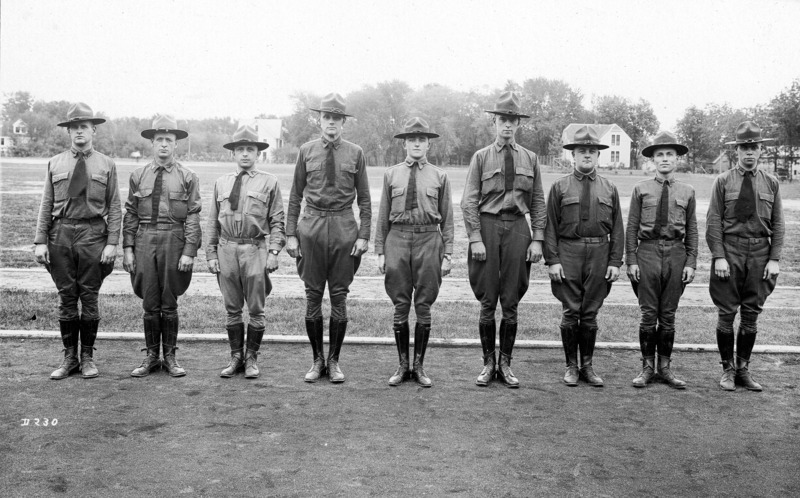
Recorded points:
(569, 339)
(254, 337)
(236, 341)
(70, 330)
(508, 335)
(745, 340)
(488, 334)
(647, 343)
(586, 339)
(422, 333)
(88, 330)
(314, 331)
(725, 345)
(152, 342)
(666, 338)
(337, 330)
(401, 339)
(169, 331)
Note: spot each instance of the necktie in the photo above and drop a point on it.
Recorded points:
(411, 190)
(77, 186)
(662, 215)
(235, 193)
(157, 194)
(746, 203)
(330, 167)
(509, 171)
(586, 198)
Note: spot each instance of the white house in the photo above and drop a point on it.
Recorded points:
(617, 155)
(5, 145)
(270, 131)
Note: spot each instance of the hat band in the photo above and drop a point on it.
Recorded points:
(332, 109)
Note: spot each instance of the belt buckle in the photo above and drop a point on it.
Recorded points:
(417, 229)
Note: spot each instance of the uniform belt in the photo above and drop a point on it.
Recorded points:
(77, 220)
(661, 241)
(238, 240)
(590, 240)
(328, 212)
(160, 226)
(505, 215)
(416, 228)
(749, 240)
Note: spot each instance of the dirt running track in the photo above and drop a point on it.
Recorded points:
(278, 436)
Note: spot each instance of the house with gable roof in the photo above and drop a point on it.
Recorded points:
(617, 155)
(270, 131)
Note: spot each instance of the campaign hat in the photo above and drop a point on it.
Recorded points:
(246, 135)
(585, 136)
(416, 127)
(165, 123)
(332, 103)
(665, 139)
(748, 133)
(508, 105)
(80, 112)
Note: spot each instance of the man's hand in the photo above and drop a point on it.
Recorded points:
(633, 273)
(293, 247)
(272, 262)
(109, 254)
(772, 269)
(688, 275)
(446, 264)
(556, 273)
(534, 253)
(42, 254)
(213, 266)
(382, 264)
(721, 269)
(185, 263)
(612, 274)
(478, 251)
(128, 260)
(360, 247)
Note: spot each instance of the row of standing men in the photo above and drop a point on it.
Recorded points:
(579, 233)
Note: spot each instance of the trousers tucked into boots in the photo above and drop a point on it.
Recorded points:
(487, 332)
(169, 335)
(508, 335)
(236, 341)
(745, 340)
(666, 338)
(647, 343)
(314, 332)
(401, 339)
(88, 329)
(569, 339)
(586, 339)
(336, 333)
(152, 341)
(254, 336)
(70, 330)
(422, 333)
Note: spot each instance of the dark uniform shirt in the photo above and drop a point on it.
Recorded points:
(434, 204)
(564, 215)
(485, 192)
(102, 193)
(681, 221)
(310, 183)
(721, 217)
(179, 203)
(258, 215)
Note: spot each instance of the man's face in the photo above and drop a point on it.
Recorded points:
(417, 146)
(245, 156)
(164, 144)
(586, 158)
(748, 155)
(331, 125)
(505, 126)
(666, 160)
(81, 133)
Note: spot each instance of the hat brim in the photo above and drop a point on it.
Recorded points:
(575, 146)
(259, 145)
(329, 111)
(509, 114)
(742, 142)
(679, 149)
(179, 134)
(417, 134)
(94, 121)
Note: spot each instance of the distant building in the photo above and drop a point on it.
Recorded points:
(270, 131)
(5, 145)
(721, 164)
(618, 153)
(19, 127)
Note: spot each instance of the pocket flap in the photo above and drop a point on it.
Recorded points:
(766, 197)
(433, 192)
(145, 192)
(682, 203)
(60, 176)
(396, 192)
(731, 196)
(649, 202)
(257, 195)
(606, 201)
(178, 196)
(524, 171)
(348, 167)
(570, 200)
(100, 178)
(488, 174)
(313, 165)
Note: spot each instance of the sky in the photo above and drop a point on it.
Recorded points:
(240, 58)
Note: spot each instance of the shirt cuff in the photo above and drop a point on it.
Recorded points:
(190, 250)
(41, 238)
(538, 235)
(211, 254)
(631, 259)
(113, 240)
(475, 236)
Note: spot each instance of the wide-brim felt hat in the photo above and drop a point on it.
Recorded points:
(246, 135)
(333, 103)
(507, 105)
(748, 133)
(416, 127)
(585, 136)
(80, 112)
(165, 123)
(665, 139)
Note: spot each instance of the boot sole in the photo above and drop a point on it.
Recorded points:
(91, 376)
(570, 384)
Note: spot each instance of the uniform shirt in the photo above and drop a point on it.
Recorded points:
(721, 217)
(310, 183)
(258, 215)
(102, 193)
(434, 204)
(179, 203)
(564, 215)
(485, 191)
(681, 218)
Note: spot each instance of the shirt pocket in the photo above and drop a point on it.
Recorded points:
(315, 173)
(730, 205)
(492, 181)
(649, 211)
(570, 210)
(765, 202)
(179, 205)
(605, 211)
(97, 190)
(347, 178)
(679, 219)
(398, 200)
(144, 203)
(257, 205)
(523, 180)
(60, 186)
(432, 200)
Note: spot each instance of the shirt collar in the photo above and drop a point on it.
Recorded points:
(86, 153)
(580, 176)
(336, 143)
(167, 167)
(498, 145)
(669, 182)
(250, 172)
(739, 169)
(422, 162)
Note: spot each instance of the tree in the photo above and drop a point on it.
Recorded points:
(552, 105)
(637, 119)
(784, 112)
(15, 105)
(693, 132)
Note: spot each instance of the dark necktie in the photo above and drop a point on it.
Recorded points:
(746, 203)
(157, 193)
(77, 186)
(411, 190)
(330, 167)
(235, 193)
(662, 215)
(509, 171)
(586, 198)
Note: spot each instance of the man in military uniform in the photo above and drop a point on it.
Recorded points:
(77, 235)
(328, 243)
(744, 230)
(161, 235)
(414, 243)
(661, 253)
(246, 210)
(503, 185)
(584, 241)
